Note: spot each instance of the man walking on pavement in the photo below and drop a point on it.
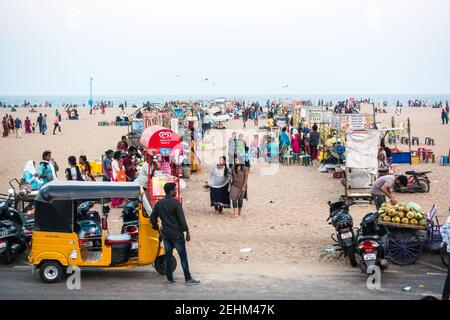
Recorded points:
(173, 226)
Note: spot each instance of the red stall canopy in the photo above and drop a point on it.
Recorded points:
(160, 139)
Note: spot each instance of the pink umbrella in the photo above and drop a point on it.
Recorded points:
(147, 134)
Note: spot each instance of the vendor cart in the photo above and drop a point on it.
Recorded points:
(407, 242)
(161, 142)
(361, 164)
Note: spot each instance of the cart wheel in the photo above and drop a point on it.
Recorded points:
(404, 247)
(160, 266)
(445, 255)
(51, 271)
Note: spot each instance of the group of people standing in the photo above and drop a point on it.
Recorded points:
(46, 171)
(10, 124)
(228, 185)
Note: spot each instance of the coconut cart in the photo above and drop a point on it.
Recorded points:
(161, 142)
(408, 241)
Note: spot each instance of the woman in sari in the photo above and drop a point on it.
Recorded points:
(5, 127)
(30, 176)
(11, 123)
(218, 183)
(195, 163)
(238, 189)
(27, 125)
(118, 175)
(295, 141)
(86, 169)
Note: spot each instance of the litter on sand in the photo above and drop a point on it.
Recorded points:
(246, 250)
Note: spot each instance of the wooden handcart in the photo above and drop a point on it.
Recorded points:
(407, 242)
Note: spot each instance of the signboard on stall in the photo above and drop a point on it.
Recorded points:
(345, 122)
(315, 117)
(357, 122)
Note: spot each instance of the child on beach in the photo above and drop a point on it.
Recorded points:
(247, 157)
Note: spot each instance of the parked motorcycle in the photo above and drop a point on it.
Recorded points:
(12, 238)
(342, 222)
(87, 226)
(372, 243)
(418, 182)
(131, 225)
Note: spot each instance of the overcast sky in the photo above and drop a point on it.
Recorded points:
(242, 47)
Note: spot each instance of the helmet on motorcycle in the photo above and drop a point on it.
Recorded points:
(84, 207)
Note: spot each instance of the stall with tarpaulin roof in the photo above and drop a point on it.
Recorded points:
(161, 141)
(361, 163)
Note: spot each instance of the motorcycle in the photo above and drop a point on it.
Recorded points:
(372, 243)
(131, 225)
(417, 182)
(12, 237)
(87, 226)
(342, 222)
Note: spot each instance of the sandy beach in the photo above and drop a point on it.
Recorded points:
(284, 218)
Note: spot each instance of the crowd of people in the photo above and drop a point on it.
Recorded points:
(9, 125)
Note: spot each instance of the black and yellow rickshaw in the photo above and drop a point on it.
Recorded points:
(56, 244)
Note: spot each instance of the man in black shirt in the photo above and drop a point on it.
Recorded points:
(173, 226)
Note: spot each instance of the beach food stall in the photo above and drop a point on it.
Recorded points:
(165, 146)
(361, 167)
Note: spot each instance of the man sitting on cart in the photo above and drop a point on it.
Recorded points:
(382, 188)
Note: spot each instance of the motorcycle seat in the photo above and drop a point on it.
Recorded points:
(367, 238)
(131, 223)
(118, 239)
(417, 173)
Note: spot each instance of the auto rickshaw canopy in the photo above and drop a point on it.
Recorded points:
(54, 207)
(67, 190)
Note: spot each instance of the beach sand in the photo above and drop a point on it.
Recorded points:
(283, 221)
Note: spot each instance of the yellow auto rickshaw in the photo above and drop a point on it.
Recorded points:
(60, 239)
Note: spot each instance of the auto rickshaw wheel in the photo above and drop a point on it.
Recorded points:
(51, 271)
(160, 265)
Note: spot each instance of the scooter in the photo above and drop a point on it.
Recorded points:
(131, 225)
(12, 238)
(371, 242)
(417, 182)
(87, 226)
(342, 222)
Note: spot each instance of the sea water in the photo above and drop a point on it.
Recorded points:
(138, 100)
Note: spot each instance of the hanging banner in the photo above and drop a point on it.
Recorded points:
(336, 122)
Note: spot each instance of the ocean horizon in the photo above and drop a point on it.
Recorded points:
(57, 100)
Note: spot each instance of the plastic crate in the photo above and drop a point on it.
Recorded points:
(415, 159)
(401, 157)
